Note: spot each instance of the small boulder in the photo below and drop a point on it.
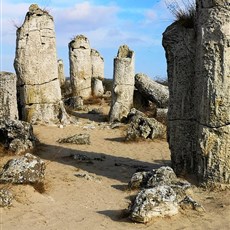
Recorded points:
(17, 136)
(140, 126)
(159, 201)
(79, 139)
(24, 170)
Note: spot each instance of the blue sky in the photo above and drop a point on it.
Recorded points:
(107, 24)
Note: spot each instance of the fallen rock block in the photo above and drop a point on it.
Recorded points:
(140, 126)
(24, 170)
(79, 139)
(159, 201)
(17, 136)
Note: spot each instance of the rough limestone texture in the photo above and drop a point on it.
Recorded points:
(36, 67)
(159, 201)
(97, 87)
(8, 96)
(123, 84)
(61, 73)
(17, 136)
(97, 62)
(24, 170)
(79, 139)
(80, 66)
(180, 46)
(140, 126)
(6, 198)
(155, 92)
(199, 107)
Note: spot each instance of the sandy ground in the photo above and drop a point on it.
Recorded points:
(99, 200)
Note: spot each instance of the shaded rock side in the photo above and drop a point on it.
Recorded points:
(36, 67)
(24, 170)
(140, 126)
(152, 90)
(212, 91)
(179, 44)
(17, 136)
(123, 84)
(80, 66)
(8, 96)
(61, 73)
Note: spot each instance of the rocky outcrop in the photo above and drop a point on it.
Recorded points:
(17, 136)
(97, 62)
(97, 87)
(80, 67)
(199, 106)
(162, 194)
(8, 96)
(140, 126)
(123, 84)
(24, 170)
(36, 67)
(153, 91)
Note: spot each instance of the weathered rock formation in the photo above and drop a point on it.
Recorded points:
(8, 96)
(79, 139)
(6, 197)
(140, 126)
(80, 67)
(24, 170)
(199, 107)
(61, 73)
(97, 87)
(123, 84)
(36, 67)
(153, 91)
(17, 136)
(97, 62)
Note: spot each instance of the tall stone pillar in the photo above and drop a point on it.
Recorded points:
(123, 84)
(61, 73)
(179, 43)
(80, 67)
(212, 94)
(8, 96)
(36, 67)
(97, 73)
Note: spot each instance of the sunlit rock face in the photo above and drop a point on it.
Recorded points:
(36, 67)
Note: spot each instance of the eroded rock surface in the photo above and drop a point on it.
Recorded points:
(36, 67)
(24, 170)
(153, 91)
(6, 198)
(79, 139)
(17, 136)
(123, 84)
(140, 126)
(80, 67)
(8, 96)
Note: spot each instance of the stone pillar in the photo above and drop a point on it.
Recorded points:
(199, 105)
(80, 67)
(36, 67)
(97, 73)
(179, 43)
(212, 93)
(123, 84)
(8, 96)
(61, 74)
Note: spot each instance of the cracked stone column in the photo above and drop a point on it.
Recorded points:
(36, 67)
(97, 73)
(212, 93)
(123, 84)
(180, 45)
(198, 61)
(61, 74)
(80, 67)
(8, 96)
